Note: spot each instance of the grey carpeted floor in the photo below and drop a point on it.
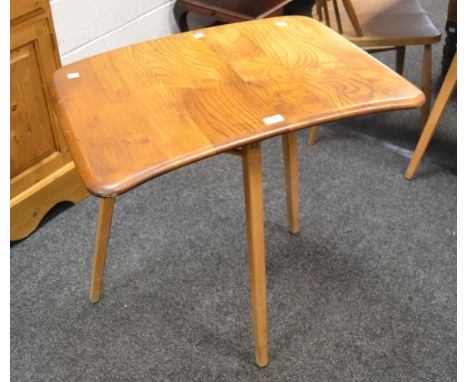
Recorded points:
(365, 292)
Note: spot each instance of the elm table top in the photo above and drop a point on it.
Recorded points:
(143, 110)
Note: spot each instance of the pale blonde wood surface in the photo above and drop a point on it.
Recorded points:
(38, 154)
(291, 175)
(106, 206)
(253, 193)
(140, 111)
(434, 117)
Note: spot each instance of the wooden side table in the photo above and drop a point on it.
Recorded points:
(228, 11)
(135, 113)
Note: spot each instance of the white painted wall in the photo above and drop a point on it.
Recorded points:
(88, 27)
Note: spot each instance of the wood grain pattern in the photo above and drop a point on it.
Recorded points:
(21, 8)
(36, 173)
(140, 111)
(253, 193)
(382, 25)
(28, 108)
(42, 173)
(29, 207)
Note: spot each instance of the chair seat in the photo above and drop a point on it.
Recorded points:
(386, 23)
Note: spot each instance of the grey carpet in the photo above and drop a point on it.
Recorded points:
(365, 292)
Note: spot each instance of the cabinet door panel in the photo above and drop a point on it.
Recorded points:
(41, 171)
(31, 133)
(20, 8)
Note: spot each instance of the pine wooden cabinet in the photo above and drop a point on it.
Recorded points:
(42, 173)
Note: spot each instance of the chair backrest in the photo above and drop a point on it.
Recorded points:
(323, 13)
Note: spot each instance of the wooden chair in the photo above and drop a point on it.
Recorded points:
(434, 117)
(381, 25)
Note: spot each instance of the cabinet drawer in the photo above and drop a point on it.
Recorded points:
(20, 8)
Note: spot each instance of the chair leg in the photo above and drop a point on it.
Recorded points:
(312, 136)
(291, 175)
(434, 118)
(400, 59)
(253, 192)
(106, 206)
(426, 82)
(180, 15)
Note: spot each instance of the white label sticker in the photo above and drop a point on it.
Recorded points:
(281, 24)
(273, 119)
(73, 75)
(198, 35)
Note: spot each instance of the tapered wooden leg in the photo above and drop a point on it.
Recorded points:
(426, 85)
(253, 192)
(291, 174)
(106, 206)
(400, 59)
(312, 136)
(434, 118)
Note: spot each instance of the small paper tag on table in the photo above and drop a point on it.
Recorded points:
(273, 119)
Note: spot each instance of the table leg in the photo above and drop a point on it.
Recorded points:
(400, 59)
(313, 135)
(291, 174)
(253, 192)
(180, 14)
(426, 82)
(434, 118)
(106, 206)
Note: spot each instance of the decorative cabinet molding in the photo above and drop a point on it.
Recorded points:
(42, 173)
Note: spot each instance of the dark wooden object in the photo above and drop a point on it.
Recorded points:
(228, 11)
(450, 46)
